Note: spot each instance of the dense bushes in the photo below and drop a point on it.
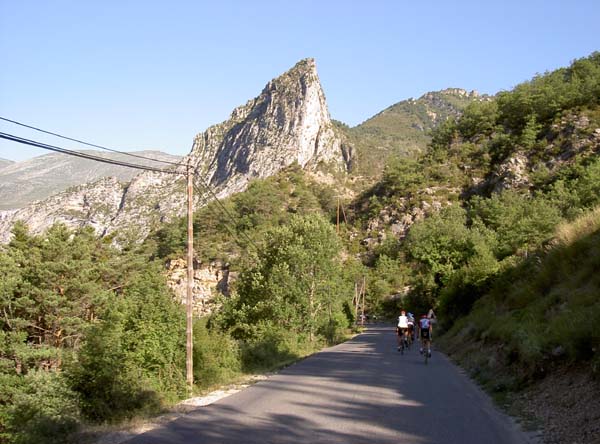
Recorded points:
(291, 297)
(103, 329)
(267, 203)
(88, 332)
(495, 269)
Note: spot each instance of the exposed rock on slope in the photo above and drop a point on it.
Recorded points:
(288, 122)
(208, 279)
(24, 182)
(86, 205)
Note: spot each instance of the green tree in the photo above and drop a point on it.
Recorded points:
(294, 282)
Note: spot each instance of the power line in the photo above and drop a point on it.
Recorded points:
(206, 187)
(57, 149)
(231, 217)
(226, 212)
(88, 144)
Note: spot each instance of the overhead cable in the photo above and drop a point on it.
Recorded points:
(89, 144)
(224, 211)
(57, 149)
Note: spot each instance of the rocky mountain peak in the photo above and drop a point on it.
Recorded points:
(288, 122)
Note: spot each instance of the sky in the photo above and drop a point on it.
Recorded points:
(150, 75)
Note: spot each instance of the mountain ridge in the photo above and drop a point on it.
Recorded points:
(42, 176)
(5, 162)
(402, 129)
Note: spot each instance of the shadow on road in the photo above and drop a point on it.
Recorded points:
(361, 391)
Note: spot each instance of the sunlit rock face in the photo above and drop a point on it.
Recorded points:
(288, 122)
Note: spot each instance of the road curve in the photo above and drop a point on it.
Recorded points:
(362, 391)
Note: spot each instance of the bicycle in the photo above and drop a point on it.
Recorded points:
(403, 343)
(426, 347)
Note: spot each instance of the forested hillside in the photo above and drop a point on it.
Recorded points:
(495, 225)
(403, 129)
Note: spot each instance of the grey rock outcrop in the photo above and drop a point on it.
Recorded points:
(287, 123)
(88, 205)
(513, 173)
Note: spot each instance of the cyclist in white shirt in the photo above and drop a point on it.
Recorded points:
(402, 329)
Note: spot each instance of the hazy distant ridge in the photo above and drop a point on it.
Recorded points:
(40, 177)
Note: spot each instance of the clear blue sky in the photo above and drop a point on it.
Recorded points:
(151, 74)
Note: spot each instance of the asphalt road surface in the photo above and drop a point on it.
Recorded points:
(362, 391)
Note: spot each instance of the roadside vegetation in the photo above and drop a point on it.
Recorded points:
(93, 335)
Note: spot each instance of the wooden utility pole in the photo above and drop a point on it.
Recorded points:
(338, 215)
(355, 302)
(189, 363)
(364, 290)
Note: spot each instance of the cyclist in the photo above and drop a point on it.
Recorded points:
(431, 315)
(402, 328)
(425, 334)
(411, 326)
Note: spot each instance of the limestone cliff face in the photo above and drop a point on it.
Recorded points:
(209, 279)
(288, 122)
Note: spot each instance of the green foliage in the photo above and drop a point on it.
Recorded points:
(217, 357)
(131, 361)
(402, 130)
(441, 243)
(577, 188)
(402, 176)
(545, 310)
(291, 295)
(546, 95)
(43, 409)
(520, 223)
(86, 329)
(479, 119)
(265, 204)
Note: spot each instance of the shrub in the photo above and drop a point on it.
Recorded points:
(44, 410)
(216, 356)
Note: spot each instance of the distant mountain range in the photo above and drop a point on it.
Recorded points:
(42, 176)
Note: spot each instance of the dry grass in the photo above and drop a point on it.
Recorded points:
(568, 233)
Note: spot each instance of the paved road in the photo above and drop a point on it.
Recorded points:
(362, 391)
